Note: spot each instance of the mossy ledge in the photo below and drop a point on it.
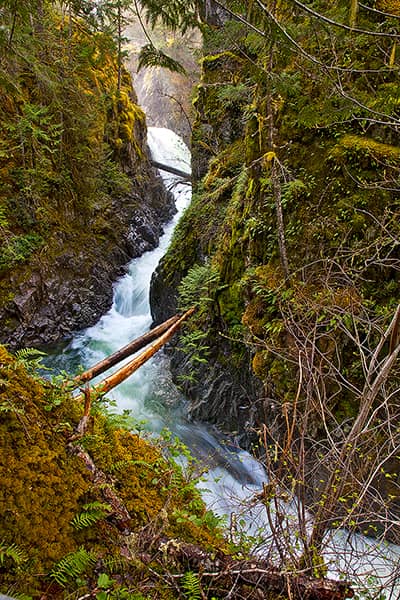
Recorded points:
(92, 510)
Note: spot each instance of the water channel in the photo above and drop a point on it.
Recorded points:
(234, 477)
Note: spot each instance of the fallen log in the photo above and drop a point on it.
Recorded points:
(133, 346)
(225, 576)
(124, 372)
(186, 176)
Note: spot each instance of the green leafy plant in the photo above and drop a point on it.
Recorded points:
(12, 552)
(31, 360)
(191, 586)
(18, 249)
(72, 566)
(198, 287)
(92, 512)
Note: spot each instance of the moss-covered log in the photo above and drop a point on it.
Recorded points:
(233, 578)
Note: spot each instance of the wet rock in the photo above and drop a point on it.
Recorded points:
(70, 286)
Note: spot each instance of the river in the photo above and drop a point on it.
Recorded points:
(234, 478)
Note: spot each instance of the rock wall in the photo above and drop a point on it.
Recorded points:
(78, 196)
(70, 287)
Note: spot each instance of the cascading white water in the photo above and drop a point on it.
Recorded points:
(234, 477)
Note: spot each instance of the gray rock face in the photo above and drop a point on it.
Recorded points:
(227, 395)
(72, 287)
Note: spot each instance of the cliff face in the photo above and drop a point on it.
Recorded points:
(66, 285)
(79, 197)
(289, 248)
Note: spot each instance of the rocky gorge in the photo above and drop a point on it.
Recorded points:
(288, 251)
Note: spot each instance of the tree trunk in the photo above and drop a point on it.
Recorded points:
(124, 352)
(124, 372)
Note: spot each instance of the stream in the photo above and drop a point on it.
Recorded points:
(233, 478)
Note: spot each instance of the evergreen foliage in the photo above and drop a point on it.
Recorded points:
(150, 56)
(174, 14)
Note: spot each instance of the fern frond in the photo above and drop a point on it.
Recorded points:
(93, 512)
(191, 586)
(150, 56)
(198, 286)
(72, 565)
(115, 564)
(31, 359)
(26, 354)
(13, 552)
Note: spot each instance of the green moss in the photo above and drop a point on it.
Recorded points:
(389, 6)
(58, 116)
(361, 146)
(41, 485)
(217, 61)
(44, 485)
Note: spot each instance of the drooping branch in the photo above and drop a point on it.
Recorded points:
(321, 17)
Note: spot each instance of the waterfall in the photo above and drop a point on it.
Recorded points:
(234, 478)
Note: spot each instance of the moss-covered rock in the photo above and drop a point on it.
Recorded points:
(48, 492)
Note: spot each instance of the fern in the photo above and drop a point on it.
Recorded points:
(231, 94)
(93, 512)
(150, 56)
(191, 586)
(198, 287)
(31, 360)
(115, 564)
(13, 552)
(72, 565)
(3, 218)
